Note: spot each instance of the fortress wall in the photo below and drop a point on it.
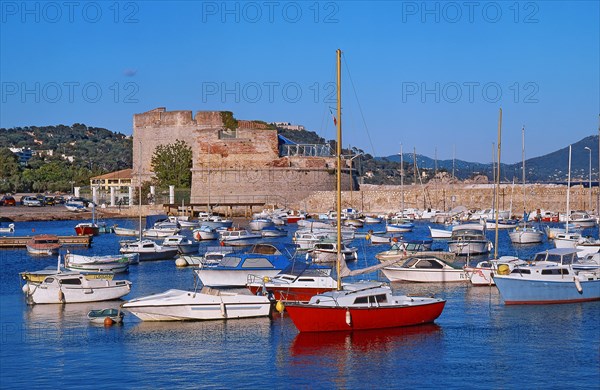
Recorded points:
(385, 199)
(283, 185)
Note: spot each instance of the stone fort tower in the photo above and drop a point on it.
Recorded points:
(243, 160)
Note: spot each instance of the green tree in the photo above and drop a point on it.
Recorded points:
(9, 171)
(172, 165)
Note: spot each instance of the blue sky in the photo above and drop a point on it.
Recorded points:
(429, 75)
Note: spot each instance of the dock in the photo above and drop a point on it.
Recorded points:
(21, 242)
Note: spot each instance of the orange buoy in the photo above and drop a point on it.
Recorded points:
(108, 321)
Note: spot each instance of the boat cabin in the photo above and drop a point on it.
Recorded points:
(564, 256)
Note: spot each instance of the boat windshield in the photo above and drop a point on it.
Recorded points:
(257, 262)
(429, 264)
(230, 261)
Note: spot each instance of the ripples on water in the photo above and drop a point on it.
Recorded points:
(477, 342)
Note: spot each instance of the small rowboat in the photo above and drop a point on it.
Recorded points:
(99, 316)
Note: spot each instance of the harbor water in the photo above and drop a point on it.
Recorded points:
(477, 342)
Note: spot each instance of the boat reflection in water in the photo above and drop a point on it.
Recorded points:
(331, 344)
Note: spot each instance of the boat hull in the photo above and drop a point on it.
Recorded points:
(119, 231)
(424, 276)
(178, 305)
(526, 237)
(87, 230)
(231, 278)
(328, 319)
(526, 292)
(100, 291)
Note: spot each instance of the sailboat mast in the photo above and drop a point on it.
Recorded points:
(402, 179)
(140, 195)
(496, 200)
(338, 154)
(523, 158)
(568, 193)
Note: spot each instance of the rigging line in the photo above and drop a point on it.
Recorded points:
(326, 119)
(359, 106)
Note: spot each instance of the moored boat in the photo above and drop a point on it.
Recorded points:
(298, 282)
(87, 228)
(469, 239)
(148, 250)
(363, 306)
(234, 269)
(208, 304)
(109, 263)
(99, 316)
(425, 268)
(43, 245)
(205, 233)
(182, 243)
(60, 288)
(550, 278)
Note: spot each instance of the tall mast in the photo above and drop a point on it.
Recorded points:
(496, 200)
(140, 194)
(402, 179)
(568, 193)
(338, 154)
(523, 159)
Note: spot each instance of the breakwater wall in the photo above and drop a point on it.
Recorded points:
(385, 199)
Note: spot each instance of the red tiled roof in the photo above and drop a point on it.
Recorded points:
(122, 174)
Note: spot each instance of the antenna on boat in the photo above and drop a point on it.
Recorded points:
(338, 153)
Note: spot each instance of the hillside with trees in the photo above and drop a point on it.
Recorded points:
(64, 156)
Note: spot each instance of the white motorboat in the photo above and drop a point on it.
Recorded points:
(215, 221)
(425, 268)
(526, 235)
(326, 252)
(399, 227)
(237, 235)
(481, 274)
(184, 245)
(208, 304)
(357, 223)
(306, 240)
(74, 288)
(469, 239)
(582, 219)
(440, 233)
(567, 240)
(126, 232)
(160, 232)
(502, 223)
(260, 224)
(312, 225)
(402, 249)
(370, 220)
(148, 250)
(273, 232)
(116, 264)
(205, 233)
(211, 257)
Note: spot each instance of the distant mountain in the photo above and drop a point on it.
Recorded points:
(551, 167)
